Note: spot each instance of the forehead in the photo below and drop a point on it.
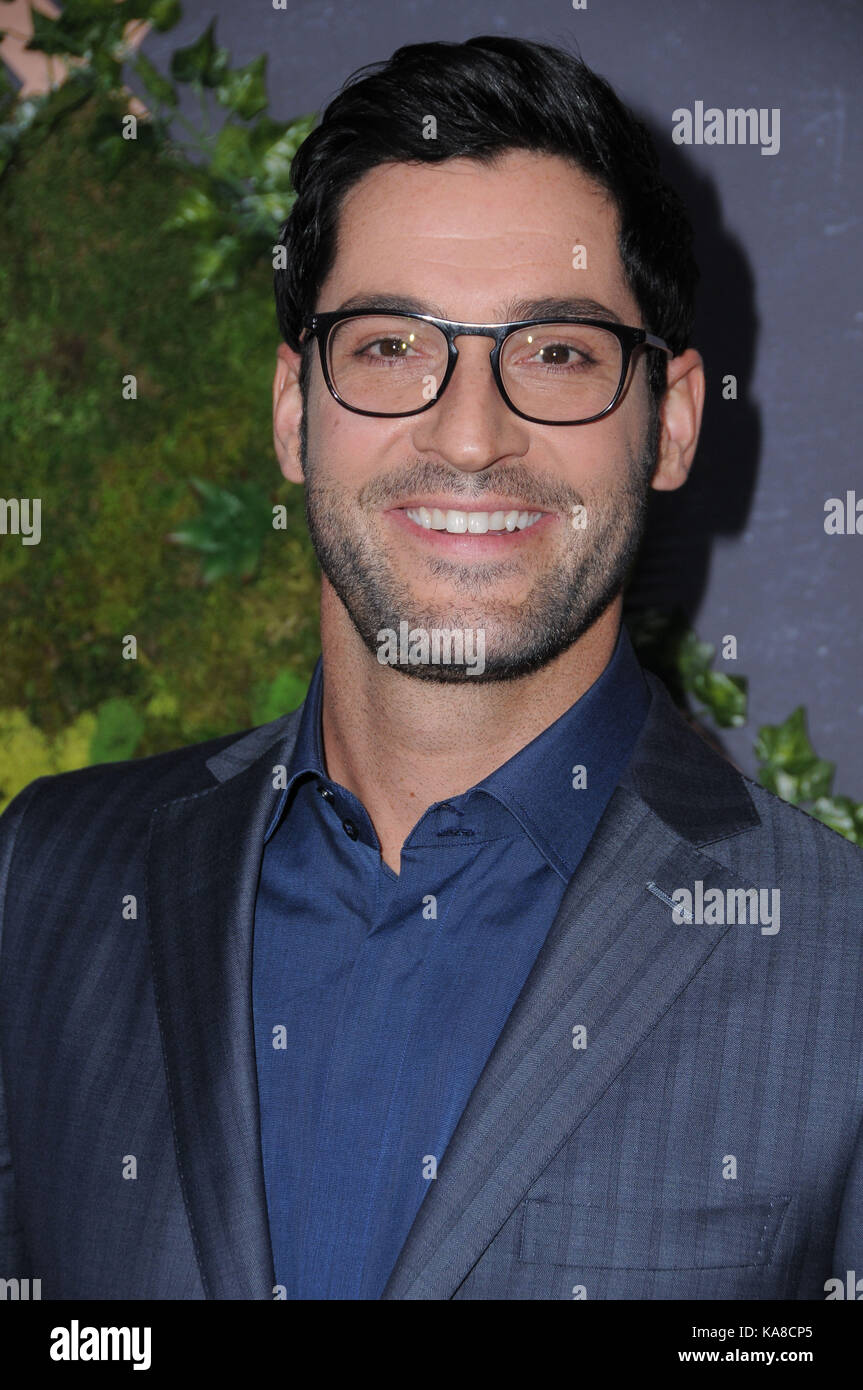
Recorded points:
(466, 237)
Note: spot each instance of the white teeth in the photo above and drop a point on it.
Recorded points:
(476, 523)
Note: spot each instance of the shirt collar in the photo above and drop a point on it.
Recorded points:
(559, 784)
(556, 804)
(308, 753)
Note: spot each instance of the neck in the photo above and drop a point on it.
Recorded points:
(401, 744)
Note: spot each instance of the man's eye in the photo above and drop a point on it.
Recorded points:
(554, 354)
(390, 347)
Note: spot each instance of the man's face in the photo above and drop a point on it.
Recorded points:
(465, 240)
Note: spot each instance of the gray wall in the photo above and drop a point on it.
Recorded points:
(742, 547)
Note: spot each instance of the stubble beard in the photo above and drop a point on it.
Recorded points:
(561, 605)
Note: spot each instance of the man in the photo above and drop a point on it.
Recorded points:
(481, 975)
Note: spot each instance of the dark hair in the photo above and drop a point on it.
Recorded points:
(489, 95)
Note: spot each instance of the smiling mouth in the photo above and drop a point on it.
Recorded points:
(473, 523)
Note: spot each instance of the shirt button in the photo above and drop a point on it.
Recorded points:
(350, 829)
(325, 793)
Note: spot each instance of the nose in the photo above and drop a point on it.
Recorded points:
(471, 426)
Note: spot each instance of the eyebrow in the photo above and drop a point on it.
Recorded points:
(511, 311)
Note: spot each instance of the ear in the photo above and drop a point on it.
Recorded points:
(287, 412)
(680, 415)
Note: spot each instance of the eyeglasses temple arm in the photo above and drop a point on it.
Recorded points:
(652, 339)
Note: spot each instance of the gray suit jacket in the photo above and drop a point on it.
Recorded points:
(673, 1109)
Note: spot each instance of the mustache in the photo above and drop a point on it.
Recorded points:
(536, 491)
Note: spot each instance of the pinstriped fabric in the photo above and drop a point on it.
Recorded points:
(13, 1250)
(759, 1059)
(604, 1168)
(80, 1043)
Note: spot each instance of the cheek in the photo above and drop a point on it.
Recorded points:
(598, 458)
(352, 448)
(332, 433)
(611, 447)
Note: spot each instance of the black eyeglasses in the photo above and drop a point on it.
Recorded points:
(387, 365)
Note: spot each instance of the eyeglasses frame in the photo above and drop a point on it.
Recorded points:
(320, 326)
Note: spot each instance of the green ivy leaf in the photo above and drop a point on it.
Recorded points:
(816, 780)
(276, 157)
(202, 62)
(230, 529)
(157, 85)
(107, 68)
(787, 743)
(265, 212)
(244, 91)
(196, 210)
(779, 782)
(797, 782)
(694, 657)
(232, 155)
(790, 766)
(51, 37)
(164, 14)
(217, 267)
(118, 731)
(264, 132)
(161, 14)
(724, 696)
(840, 813)
(84, 27)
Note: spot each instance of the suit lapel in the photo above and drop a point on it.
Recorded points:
(614, 962)
(204, 859)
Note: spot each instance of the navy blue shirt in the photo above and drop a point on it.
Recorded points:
(378, 996)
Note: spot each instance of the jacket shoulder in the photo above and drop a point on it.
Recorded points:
(792, 825)
(146, 782)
